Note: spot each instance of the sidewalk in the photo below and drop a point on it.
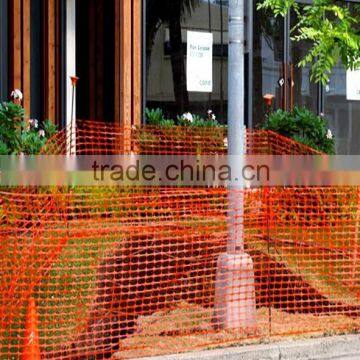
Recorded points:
(345, 347)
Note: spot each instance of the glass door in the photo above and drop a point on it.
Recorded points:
(276, 73)
(268, 62)
(342, 111)
(302, 91)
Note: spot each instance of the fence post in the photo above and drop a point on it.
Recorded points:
(354, 274)
(31, 349)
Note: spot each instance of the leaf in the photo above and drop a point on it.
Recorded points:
(332, 29)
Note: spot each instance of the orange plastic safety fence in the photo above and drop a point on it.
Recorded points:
(132, 271)
(90, 138)
(117, 272)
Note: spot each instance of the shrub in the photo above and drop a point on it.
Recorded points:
(303, 126)
(156, 117)
(20, 136)
(189, 119)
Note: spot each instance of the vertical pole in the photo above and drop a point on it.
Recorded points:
(70, 71)
(236, 100)
(250, 69)
(235, 288)
(74, 80)
(236, 114)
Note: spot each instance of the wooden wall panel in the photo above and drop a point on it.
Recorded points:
(50, 60)
(16, 44)
(117, 114)
(20, 48)
(137, 62)
(58, 75)
(125, 63)
(128, 70)
(20, 62)
(26, 54)
(128, 58)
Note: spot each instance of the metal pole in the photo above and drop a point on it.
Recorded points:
(250, 68)
(236, 100)
(235, 286)
(236, 114)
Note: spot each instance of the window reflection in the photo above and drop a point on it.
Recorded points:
(304, 92)
(343, 114)
(268, 52)
(167, 23)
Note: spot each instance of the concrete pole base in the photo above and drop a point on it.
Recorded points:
(235, 304)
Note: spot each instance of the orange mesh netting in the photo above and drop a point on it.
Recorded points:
(98, 138)
(129, 272)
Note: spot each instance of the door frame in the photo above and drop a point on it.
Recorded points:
(128, 61)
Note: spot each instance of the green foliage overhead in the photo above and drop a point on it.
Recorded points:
(333, 28)
(279, 7)
(303, 126)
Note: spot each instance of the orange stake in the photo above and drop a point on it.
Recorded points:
(31, 349)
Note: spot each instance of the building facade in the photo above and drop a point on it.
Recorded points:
(132, 54)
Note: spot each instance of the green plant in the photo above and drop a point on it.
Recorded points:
(303, 126)
(33, 139)
(194, 120)
(332, 27)
(20, 136)
(156, 117)
(11, 117)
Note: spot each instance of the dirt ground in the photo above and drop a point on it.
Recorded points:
(189, 327)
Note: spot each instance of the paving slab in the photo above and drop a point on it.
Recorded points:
(345, 347)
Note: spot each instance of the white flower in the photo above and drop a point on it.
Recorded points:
(329, 134)
(42, 133)
(188, 117)
(211, 115)
(226, 143)
(17, 95)
(34, 123)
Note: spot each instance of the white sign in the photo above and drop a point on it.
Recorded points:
(353, 85)
(199, 67)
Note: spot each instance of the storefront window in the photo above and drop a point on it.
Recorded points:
(268, 62)
(343, 114)
(275, 63)
(167, 25)
(303, 91)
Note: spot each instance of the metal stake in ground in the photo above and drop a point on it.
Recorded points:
(71, 150)
(235, 288)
